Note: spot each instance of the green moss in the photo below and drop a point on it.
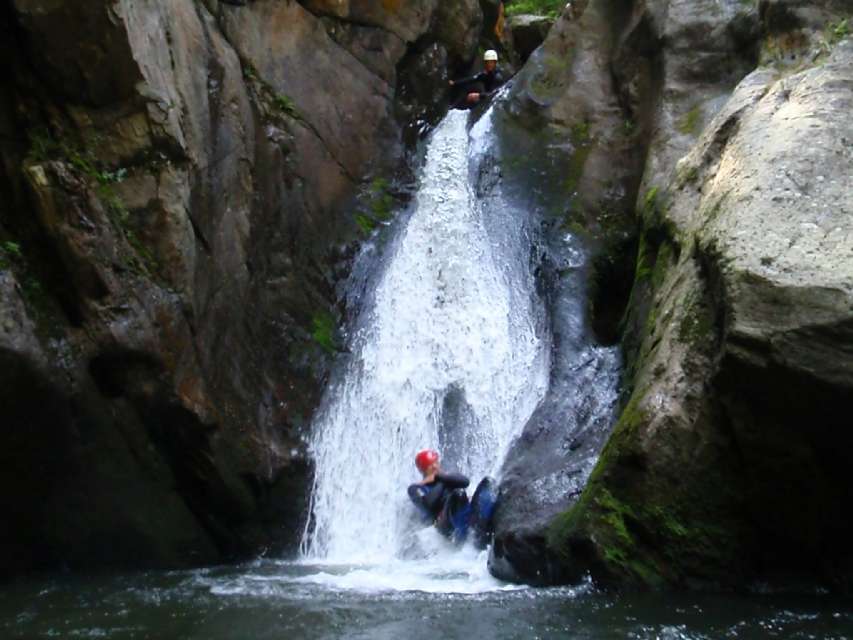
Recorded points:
(663, 261)
(365, 223)
(581, 143)
(646, 259)
(43, 146)
(323, 331)
(650, 201)
(377, 206)
(40, 306)
(580, 133)
(552, 74)
(687, 175)
(249, 71)
(690, 123)
(697, 325)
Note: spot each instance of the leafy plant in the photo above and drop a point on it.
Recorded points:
(12, 248)
(286, 105)
(550, 8)
(840, 30)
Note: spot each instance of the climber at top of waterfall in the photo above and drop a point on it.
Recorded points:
(441, 499)
(482, 85)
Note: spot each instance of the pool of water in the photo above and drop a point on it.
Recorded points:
(282, 600)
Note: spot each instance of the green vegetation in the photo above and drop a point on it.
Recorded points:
(249, 72)
(553, 76)
(689, 124)
(640, 526)
(41, 307)
(323, 331)
(11, 248)
(79, 153)
(697, 325)
(838, 31)
(9, 252)
(265, 93)
(833, 33)
(581, 141)
(286, 105)
(550, 8)
(377, 206)
(76, 152)
(687, 175)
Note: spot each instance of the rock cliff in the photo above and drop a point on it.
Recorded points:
(174, 219)
(728, 461)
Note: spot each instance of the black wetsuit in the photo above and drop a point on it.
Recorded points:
(442, 497)
(485, 83)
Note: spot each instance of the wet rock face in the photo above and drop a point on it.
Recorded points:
(729, 462)
(563, 123)
(737, 336)
(173, 224)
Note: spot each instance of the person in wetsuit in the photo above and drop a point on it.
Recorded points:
(480, 86)
(441, 499)
(440, 496)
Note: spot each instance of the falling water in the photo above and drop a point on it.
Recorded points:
(451, 354)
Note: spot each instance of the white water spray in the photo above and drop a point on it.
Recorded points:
(453, 314)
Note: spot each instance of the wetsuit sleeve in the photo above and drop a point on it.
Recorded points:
(432, 499)
(418, 493)
(427, 496)
(452, 480)
(471, 80)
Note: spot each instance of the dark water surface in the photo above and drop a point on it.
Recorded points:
(267, 600)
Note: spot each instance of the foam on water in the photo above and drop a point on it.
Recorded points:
(455, 321)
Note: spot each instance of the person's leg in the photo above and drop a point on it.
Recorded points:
(457, 511)
(482, 511)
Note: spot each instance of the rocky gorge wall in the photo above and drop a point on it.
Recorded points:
(183, 185)
(728, 462)
(176, 210)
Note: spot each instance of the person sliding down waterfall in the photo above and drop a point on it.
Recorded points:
(441, 499)
(481, 86)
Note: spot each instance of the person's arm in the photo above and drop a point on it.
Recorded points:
(433, 496)
(453, 480)
(470, 80)
(418, 493)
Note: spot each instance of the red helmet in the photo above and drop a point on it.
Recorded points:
(425, 459)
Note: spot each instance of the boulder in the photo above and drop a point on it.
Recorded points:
(729, 462)
(564, 124)
(526, 32)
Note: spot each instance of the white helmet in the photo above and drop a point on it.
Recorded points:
(491, 54)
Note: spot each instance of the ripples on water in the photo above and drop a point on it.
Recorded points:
(282, 600)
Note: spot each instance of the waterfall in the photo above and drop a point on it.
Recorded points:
(451, 353)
